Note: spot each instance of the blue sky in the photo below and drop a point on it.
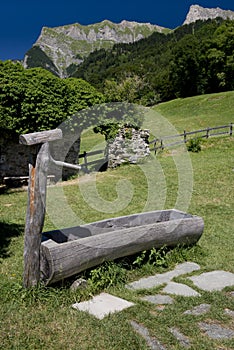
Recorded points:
(21, 21)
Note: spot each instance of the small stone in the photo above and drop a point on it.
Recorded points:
(79, 284)
(183, 340)
(158, 299)
(154, 312)
(198, 310)
(231, 294)
(215, 331)
(180, 289)
(160, 307)
(229, 312)
(214, 280)
(152, 343)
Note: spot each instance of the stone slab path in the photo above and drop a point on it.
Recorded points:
(214, 280)
(158, 279)
(104, 304)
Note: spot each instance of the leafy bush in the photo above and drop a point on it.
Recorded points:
(165, 257)
(107, 275)
(194, 145)
(156, 257)
(35, 100)
(109, 130)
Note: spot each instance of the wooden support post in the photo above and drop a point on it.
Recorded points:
(35, 215)
(231, 129)
(38, 167)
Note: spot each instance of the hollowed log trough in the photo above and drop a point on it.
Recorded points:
(69, 251)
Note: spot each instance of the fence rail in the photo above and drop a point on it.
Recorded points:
(98, 162)
(159, 143)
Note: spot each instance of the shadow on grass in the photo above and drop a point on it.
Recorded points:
(7, 232)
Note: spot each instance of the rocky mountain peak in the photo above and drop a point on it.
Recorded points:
(197, 12)
(62, 49)
(59, 48)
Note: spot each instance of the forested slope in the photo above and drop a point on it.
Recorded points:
(193, 59)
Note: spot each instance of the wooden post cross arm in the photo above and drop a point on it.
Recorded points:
(41, 137)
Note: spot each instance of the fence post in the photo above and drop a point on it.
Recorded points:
(185, 140)
(86, 161)
(162, 147)
(231, 129)
(155, 144)
(207, 132)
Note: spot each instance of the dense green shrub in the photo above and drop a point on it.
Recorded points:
(35, 100)
(194, 145)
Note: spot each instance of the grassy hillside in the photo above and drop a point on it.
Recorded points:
(43, 318)
(197, 112)
(170, 118)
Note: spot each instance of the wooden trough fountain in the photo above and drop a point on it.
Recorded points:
(69, 251)
(55, 255)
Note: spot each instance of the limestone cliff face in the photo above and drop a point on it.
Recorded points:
(59, 48)
(197, 12)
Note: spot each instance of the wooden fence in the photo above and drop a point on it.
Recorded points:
(159, 144)
(186, 136)
(98, 163)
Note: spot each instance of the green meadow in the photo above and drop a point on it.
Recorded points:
(42, 318)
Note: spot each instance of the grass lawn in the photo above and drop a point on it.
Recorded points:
(199, 112)
(43, 318)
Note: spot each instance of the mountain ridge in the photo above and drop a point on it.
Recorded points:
(61, 49)
(197, 12)
(70, 44)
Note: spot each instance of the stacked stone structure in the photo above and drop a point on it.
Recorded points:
(129, 146)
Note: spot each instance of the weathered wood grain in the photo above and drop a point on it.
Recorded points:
(40, 137)
(35, 215)
(59, 261)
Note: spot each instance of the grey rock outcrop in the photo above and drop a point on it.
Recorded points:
(60, 47)
(197, 12)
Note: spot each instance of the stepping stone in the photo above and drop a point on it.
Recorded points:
(180, 289)
(158, 299)
(215, 331)
(152, 343)
(103, 305)
(198, 310)
(229, 312)
(159, 279)
(214, 280)
(80, 283)
(182, 339)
